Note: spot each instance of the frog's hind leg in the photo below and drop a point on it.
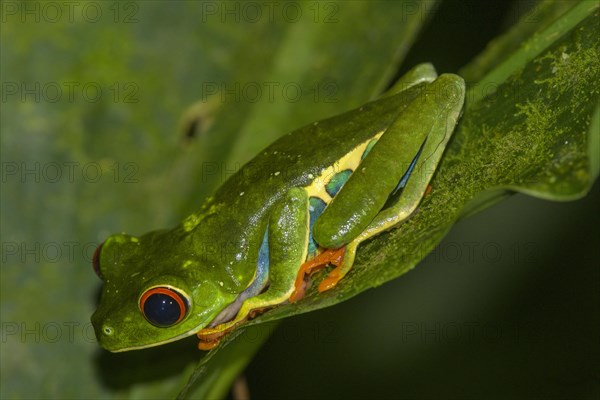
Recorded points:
(414, 185)
(392, 179)
(288, 236)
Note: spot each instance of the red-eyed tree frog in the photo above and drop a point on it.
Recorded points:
(305, 202)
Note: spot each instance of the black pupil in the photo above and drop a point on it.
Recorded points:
(162, 309)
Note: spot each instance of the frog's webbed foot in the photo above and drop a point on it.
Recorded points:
(209, 340)
(341, 258)
(210, 337)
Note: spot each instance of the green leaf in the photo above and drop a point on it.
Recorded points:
(535, 20)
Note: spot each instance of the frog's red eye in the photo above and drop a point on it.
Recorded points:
(163, 306)
(96, 261)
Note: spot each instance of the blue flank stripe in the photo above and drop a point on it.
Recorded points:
(315, 208)
(262, 266)
(262, 270)
(407, 173)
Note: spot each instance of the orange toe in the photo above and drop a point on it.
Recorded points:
(206, 346)
(330, 281)
(327, 257)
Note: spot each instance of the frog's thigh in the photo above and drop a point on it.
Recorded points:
(288, 246)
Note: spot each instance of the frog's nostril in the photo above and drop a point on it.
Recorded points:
(107, 330)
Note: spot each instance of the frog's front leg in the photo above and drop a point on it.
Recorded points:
(288, 235)
(379, 194)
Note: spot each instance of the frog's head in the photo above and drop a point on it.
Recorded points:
(147, 299)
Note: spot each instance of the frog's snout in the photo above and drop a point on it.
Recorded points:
(103, 329)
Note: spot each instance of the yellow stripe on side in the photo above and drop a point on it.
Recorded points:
(350, 161)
